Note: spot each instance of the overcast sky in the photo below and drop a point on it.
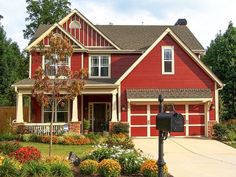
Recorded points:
(205, 17)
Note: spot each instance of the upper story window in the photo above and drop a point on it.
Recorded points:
(168, 60)
(52, 69)
(99, 66)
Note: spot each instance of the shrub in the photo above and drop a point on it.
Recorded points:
(130, 163)
(7, 147)
(109, 168)
(29, 137)
(35, 169)
(119, 140)
(57, 159)
(95, 138)
(231, 135)
(72, 134)
(9, 167)
(220, 132)
(8, 137)
(86, 124)
(46, 139)
(149, 169)
(25, 154)
(88, 167)
(120, 128)
(60, 169)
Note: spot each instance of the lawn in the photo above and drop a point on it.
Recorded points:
(60, 150)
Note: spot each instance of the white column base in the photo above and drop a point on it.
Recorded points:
(114, 108)
(19, 108)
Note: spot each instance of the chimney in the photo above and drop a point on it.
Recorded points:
(181, 21)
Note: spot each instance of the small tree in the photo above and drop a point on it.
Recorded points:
(64, 85)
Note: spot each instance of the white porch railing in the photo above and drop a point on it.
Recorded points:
(44, 128)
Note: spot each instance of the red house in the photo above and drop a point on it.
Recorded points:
(129, 66)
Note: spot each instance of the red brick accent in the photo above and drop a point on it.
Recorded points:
(211, 123)
(74, 127)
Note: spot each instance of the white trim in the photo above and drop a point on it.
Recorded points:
(148, 121)
(186, 120)
(75, 11)
(129, 116)
(114, 108)
(190, 53)
(82, 60)
(119, 103)
(216, 104)
(30, 65)
(99, 66)
(46, 33)
(163, 61)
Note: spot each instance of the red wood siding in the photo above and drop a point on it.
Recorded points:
(86, 34)
(35, 111)
(148, 74)
(76, 62)
(120, 63)
(36, 61)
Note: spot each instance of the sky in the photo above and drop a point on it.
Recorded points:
(205, 17)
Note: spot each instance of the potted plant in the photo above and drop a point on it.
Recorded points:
(86, 126)
(105, 128)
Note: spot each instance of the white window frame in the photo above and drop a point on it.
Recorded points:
(99, 66)
(172, 60)
(52, 77)
(55, 121)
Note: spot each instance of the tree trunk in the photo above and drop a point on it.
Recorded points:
(51, 127)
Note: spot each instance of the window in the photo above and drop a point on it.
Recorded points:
(61, 113)
(51, 69)
(99, 66)
(167, 60)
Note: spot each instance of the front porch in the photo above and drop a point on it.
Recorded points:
(98, 106)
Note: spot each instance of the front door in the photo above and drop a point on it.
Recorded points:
(99, 113)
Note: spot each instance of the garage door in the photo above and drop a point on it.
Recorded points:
(142, 119)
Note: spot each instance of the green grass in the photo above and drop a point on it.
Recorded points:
(60, 150)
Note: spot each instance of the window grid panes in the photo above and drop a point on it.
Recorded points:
(61, 113)
(51, 69)
(99, 66)
(168, 60)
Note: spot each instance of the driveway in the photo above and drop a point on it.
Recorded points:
(193, 157)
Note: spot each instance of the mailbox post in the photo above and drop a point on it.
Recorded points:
(166, 122)
(162, 135)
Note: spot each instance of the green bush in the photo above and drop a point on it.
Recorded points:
(9, 168)
(120, 128)
(231, 135)
(124, 141)
(35, 169)
(220, 132)
(7, 147)
(60, 169)
(109, 168)
(8, 137)
(94, 137)
(88, 167)
(131, 163)
(30, 137)
(86, 124)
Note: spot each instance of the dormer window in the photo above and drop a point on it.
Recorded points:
(74, 25)
(168, 60)
(99, 66)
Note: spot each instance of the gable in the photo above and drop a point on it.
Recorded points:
(182, 47)
(85, 32)
(55, 29)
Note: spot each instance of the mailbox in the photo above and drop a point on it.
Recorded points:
(170, 122)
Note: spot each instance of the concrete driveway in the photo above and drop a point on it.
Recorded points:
(193, 157)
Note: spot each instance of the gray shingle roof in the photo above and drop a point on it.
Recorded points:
(137, 37)
(168, 93)
(141, 37)
(30, 82)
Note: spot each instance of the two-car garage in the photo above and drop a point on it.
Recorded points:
(142, 119)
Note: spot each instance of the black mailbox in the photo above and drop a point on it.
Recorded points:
(170, 122)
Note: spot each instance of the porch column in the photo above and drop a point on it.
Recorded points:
(114, 107)
(19, 108)
(75, 110)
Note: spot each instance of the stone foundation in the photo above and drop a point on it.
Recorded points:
(210, 128)
(74, 127)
